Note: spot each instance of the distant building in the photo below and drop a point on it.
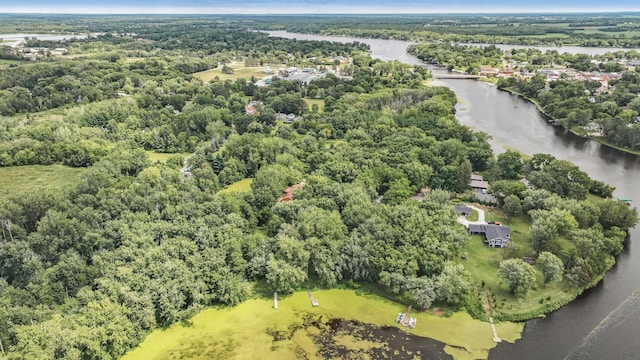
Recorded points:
(479, 185)
(287, 194)
(633, 63)
(58, 51)
(251, 108)
(486, 70)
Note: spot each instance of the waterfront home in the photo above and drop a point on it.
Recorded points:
(495, 235)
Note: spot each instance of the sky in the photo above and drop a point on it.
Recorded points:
(313, 6)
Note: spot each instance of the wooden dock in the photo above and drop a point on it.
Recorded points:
(405, 321)
(314, 302)
(487, 309)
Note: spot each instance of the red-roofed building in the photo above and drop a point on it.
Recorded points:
(288, 193)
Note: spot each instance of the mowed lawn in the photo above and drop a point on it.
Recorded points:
(483, 262)
(34, 178)
(239, 187)
(240, 71)
(5, 63)
(319, 102)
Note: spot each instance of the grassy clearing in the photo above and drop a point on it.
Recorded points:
(242, 186)
(5, 63)
(473, 216)
(598, 30)
(34, 178)
(56, 114)
(240, 332)
(319, 102)
(163, 157)
(483, 261)
(239, 72)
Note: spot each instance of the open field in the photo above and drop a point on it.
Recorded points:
(597, 30)
(33, 178)
(249, 330)
(319, 102)
(241, 186)
(6, 63)
(239, 72)
(482, 262)
(473, 216)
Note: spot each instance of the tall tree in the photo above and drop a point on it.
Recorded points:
(512, 206)
(550, 266)
(463, 176)
(510, 163)
(284, 277)
(519, 276)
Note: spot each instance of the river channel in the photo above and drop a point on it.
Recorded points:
(604, 322)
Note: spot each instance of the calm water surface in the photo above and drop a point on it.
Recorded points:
(17, 39)
(604, 323)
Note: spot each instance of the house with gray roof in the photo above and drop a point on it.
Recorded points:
(479, 184)
(495, 235)
(463, 210)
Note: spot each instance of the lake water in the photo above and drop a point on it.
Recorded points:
(384, 49)
(16, 39)
(604, 322)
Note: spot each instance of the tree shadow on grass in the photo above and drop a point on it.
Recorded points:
(262, 290)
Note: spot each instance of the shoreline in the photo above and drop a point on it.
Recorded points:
(593, 138)
(252, 324)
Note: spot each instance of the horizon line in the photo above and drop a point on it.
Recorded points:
(478, 12)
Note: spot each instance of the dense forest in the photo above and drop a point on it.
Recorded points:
(87, 271)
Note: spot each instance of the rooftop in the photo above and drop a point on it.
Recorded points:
(479, 184)
(463, 209)
(491, 231)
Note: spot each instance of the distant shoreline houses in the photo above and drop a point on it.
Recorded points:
(554, 73)
(33, 53)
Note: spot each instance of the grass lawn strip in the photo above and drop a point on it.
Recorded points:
(241, 186)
